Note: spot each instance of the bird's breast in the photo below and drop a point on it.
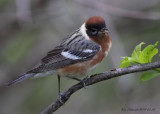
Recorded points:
(84, 68)
(105, 42)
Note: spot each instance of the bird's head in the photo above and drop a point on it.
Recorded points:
(95, 27)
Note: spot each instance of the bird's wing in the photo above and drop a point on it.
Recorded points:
(73, 50)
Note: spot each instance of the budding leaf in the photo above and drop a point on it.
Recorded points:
(137, 51)
(157, 69)
(148, 75)
(126, 62)
(142, 56)
(138, 56)
(148, 53)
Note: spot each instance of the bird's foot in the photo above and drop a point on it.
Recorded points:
(60, 97)
(83, 82)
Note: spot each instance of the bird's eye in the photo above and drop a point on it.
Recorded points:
(94, 31)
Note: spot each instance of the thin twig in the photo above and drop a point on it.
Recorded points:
(97, 78)
(119, 11)
(23, 12)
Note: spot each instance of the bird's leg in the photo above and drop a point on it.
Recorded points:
(82, 81)
(59, 89)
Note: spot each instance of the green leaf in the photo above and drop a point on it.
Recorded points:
(134, 57)
(157, 69)
(137, 51)
(148, 75)
(138, 56)
(148, 53)
(151, 55)
(126, 62)
(144, 56)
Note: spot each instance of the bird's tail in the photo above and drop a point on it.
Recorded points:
(20, 78)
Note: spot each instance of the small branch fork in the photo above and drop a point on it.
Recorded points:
(98, 78)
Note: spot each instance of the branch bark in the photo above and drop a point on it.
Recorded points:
(98, 78)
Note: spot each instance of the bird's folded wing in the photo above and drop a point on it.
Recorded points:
(67, 54)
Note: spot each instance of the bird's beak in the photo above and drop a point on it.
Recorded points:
(104, 30)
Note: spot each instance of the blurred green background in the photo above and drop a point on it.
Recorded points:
(29, 29)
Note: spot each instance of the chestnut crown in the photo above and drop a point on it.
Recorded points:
(95, 26)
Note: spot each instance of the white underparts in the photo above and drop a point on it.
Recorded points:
(69, 55)
(83, 31)
(43, 74)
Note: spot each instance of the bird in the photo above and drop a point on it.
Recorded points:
(76, 56)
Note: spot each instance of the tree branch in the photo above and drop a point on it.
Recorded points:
(98, 78)
(120, 12)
